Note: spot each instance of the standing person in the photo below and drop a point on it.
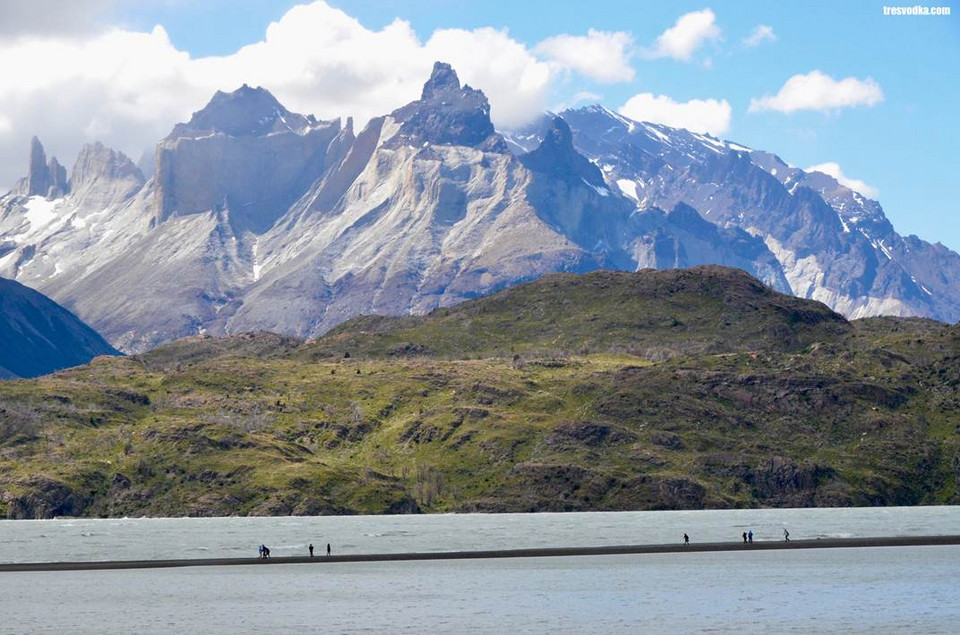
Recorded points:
(266, 551)
(744, 537)
(686, 539)
(311, 549)
(328, 548)
(260, 551)
(786, 534)
(750, 536)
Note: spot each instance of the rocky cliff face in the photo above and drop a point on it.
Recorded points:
(102, 177)
(243, 153)
(447, 114)
(832, 244)
(260, 218)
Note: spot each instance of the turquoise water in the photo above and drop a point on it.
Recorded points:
(867, 590)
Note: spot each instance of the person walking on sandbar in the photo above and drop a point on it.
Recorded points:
(750, 536)
(744, 537)
(328, 549)
(786, 534)
(311, 549)
(686, 539)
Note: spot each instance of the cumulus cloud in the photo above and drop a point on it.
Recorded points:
(696, 115)
(599, 55)
(818, 91)
(833, 169)
(128, 88)
(690, 32)
(760, 34)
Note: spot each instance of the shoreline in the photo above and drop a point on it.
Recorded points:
(825, 543)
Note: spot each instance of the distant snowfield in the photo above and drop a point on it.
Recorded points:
(40, 212)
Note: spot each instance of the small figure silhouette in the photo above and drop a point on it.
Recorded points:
(311, 549)
(744, 537)
(686, 539)
(328, 548)
(786, 535)
(750, 536)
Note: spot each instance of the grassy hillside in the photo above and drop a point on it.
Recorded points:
(675, 389)
(653, 314)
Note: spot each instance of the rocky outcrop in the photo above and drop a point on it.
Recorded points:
(447, 114)
(779, 482)
(43, 498)
(102, 177)
(38, 178)
(57, 174)
(44, 178)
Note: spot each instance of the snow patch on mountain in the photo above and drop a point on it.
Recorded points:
(38, 211)
(629, 188)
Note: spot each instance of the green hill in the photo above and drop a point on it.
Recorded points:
(655, 390)
(654, 314)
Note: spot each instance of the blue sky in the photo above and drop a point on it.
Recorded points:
(903, 146)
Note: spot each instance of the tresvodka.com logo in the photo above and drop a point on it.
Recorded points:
(916, 10)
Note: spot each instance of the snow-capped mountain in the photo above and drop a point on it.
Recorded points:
(259, 218)
(833, 244)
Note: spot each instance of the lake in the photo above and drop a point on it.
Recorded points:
(864, 590)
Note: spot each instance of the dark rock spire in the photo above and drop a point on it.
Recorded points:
(448, 114)
(38, 178)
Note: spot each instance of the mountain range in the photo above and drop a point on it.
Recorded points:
(252, 217)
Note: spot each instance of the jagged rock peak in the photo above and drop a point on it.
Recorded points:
(244, 112)
(96, 161)
(38, 178)
(443, 79)
(558, 136)
(57, 175)
(448, 114)
(556, 157)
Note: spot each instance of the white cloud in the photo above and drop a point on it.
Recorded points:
(46, 17)
(512, 78)
(128, 88)
(760, 34)
(599, 55)
(696, 115)
(690, 32)
(818, 91)
(833, 169)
